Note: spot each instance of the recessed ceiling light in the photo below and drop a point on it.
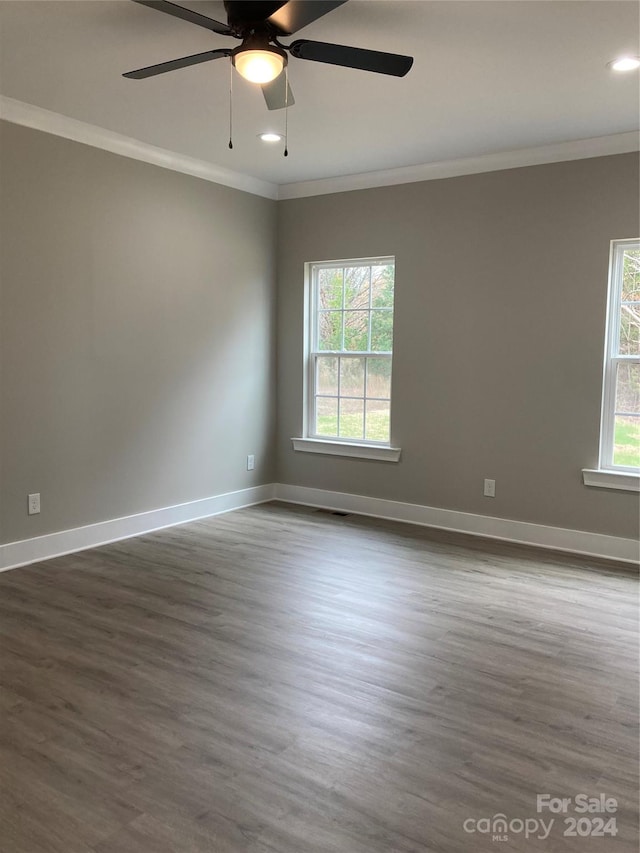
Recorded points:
(270, 137)
(625, 63)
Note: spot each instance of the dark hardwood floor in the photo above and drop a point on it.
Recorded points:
(283, 679)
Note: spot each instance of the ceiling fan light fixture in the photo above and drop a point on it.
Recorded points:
(625, 63)
(269, 136)
(259, 65)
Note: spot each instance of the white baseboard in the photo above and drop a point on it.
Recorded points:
(27, 551)
(522, 532)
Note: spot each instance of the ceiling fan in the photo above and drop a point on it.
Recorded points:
(261, 57)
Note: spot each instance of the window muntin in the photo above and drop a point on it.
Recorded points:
(620, 433)
(351, 343)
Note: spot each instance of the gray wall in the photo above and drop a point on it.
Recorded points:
(501, 284)
(137, 335)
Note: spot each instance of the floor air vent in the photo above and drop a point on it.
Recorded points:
(333, 512)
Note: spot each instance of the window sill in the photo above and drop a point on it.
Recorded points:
(623, 480)
(343, 448)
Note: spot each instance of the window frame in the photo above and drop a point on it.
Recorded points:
(312, 353)
(612, 358)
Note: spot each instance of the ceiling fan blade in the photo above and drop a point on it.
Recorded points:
(174, 64)
(241, 12)
(352, 57)
(276, 93)
(296, 14)
(186, 15)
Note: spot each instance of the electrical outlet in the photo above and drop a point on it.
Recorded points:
(489, 488)
(34, 503)
(251, 462)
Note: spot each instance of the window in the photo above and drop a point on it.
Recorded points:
(620, 432)
(350, 350)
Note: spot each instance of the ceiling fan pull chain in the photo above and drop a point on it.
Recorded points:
(286, 111)
(230, 104)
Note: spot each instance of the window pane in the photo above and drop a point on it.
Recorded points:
(381, 331)
(620, 440)
(352, 305)
(626, 444)
(631, 276)
(628, 388)
(356, 287)
(330, 330)
(629, 343)
(382, 286)
(378, 377)
(330, 288)
(327, 376)
(356, 331)
(352, 377)
(377, 424)
(352, 419)
(326, 416)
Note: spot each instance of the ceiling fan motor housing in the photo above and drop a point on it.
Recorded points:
(258, 41)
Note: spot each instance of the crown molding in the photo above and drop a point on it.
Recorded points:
(29, 115)
(579, 149)
(38, 118)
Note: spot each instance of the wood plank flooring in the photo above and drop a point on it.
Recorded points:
(283, 680)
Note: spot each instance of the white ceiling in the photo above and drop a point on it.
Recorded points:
(488, 76)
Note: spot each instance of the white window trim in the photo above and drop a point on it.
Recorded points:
(381, 452)
(308, 442)
(622, 480)
(608, 475)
